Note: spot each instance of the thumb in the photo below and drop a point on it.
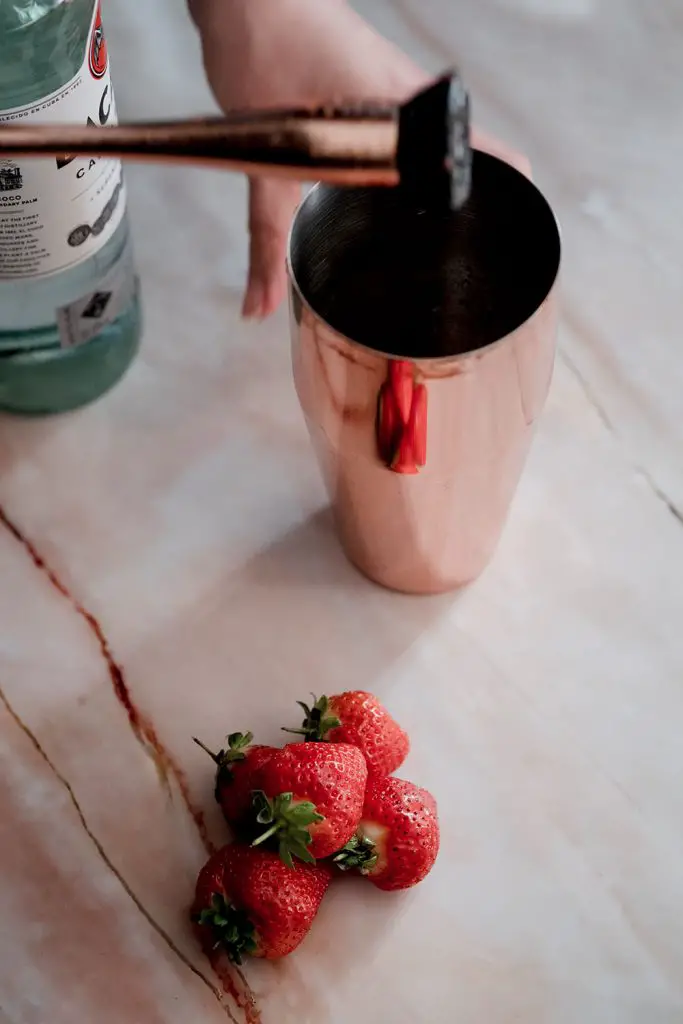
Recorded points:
(272, 203)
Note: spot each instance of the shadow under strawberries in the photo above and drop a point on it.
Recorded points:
(295, 618)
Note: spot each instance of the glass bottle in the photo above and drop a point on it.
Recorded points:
(69, 299)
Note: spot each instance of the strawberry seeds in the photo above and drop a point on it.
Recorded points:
(304, 814)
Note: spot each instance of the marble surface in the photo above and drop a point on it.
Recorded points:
(168, 568)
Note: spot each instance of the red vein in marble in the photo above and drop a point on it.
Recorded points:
(163, 934)
(142, 728)
(146, 735)
(242, 995)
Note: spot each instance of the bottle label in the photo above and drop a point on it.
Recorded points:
(58, 212)
(83, 319)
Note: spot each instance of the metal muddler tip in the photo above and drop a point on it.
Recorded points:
(434, 155)
(422, 145)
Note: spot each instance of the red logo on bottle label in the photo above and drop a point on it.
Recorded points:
(98, 46)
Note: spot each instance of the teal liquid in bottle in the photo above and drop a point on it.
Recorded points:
(69, 301)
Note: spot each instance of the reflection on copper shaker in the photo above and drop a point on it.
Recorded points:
(402, 419)
(421, 384)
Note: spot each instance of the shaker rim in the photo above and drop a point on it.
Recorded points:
(432, 360)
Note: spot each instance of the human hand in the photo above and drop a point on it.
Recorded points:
(267, 53)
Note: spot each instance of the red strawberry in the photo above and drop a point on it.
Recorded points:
(237, 765)
(311, 798)
(357, 717)
(397, 840)
(248, 902)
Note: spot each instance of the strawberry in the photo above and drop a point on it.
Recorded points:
(310, 798)
(397, 840)
(248, 902)
(357, 717)
(236, 767)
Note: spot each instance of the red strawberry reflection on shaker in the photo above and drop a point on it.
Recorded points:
(402, 419)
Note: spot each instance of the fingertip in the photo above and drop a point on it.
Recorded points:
(264, 293)
(253, 304)
(271, 208)
(274, 290)
(267, 276)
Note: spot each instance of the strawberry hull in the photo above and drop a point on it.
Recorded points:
(328, 778)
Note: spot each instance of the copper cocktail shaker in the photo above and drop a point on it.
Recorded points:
(423, 345)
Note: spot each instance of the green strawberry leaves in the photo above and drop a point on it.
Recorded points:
(359, 854)
(287, 825)
(237, 744)
(231, 928)
(318, 720)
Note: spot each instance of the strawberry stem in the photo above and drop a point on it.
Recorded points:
(235, 750)
(317, 722)
(266, 835)
(287, 823)
(214, 757)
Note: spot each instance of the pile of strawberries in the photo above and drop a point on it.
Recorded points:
(304, 813)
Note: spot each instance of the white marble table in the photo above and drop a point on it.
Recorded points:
(168, 568)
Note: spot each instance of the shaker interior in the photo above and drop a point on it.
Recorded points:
(423, 285)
